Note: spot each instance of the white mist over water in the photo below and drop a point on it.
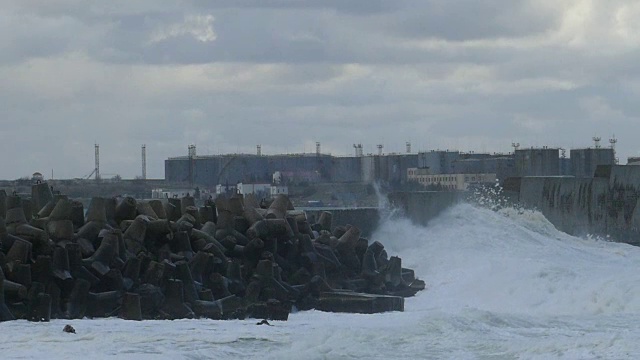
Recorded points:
(500, 284)
(515, 262)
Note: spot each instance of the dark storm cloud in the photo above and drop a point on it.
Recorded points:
(355, 7)
(302, 33)
(272, 31)
(469, 20)
(229, 74)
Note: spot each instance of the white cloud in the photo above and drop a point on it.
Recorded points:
(200, 27)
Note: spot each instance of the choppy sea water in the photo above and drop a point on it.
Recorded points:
(501, 285)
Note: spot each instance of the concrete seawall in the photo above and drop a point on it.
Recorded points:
(419, 206)
(422, 206)
(604, 205)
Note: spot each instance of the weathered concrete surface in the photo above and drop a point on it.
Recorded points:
(359, 303)
(574, 205)
(604, 205)
(422, 206)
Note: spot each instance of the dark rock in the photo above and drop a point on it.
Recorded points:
(5, 313)
(351, 302)
(174, 306)
(103, 304)
(270, 310)
(77, 303)
(69, 329)
(131, 309)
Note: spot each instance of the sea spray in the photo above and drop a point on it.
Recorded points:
(515, 262)
(386, 211)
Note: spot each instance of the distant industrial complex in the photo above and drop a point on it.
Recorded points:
(319, 177)
(581, 191)
(427, 169)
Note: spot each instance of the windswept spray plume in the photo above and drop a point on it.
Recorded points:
(490, 197)
(386, 210)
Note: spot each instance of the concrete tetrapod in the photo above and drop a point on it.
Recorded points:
(164, 259)
(5, 313)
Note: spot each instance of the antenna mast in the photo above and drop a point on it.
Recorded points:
(144, 162)
(358, 148)
(613, 142)
(192, 155)
(97, 161)
(596, 141)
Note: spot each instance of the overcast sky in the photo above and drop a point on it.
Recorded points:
(227, 75)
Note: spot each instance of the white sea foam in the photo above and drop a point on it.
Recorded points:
(502, 283)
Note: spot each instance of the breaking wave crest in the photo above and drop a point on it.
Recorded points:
(512, 260)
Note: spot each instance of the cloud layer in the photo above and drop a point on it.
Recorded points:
(227, 75)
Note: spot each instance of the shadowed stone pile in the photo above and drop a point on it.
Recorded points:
(170, 259)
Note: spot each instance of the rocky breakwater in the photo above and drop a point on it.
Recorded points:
(232, 258)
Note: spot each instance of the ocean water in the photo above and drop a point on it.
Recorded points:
(501, 285)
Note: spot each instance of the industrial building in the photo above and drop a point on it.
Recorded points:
(392, 169)
(633, 160)
(585, 161)
(455, 162)
(503, 166)
(346, 169)
(458, 182)
(565, 166)
(231, 169)
(213, 170)
(234, 168)
(537, 162)
(439, 162)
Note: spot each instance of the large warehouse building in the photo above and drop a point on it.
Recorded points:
(212, 170)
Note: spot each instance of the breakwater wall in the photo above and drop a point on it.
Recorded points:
(418, 206)
(422, 206)
(171, 259)
(605, 205)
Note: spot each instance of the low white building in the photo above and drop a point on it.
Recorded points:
(279, 189)
(226, 189)
(179, 193)
(260, 190)
(459, 182)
